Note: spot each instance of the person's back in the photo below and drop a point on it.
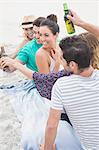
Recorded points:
(81, 103)
(78, 94)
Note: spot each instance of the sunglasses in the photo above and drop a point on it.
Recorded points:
(31, 28)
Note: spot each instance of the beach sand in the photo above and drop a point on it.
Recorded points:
(10, 127)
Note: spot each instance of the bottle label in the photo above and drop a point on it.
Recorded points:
(70, 27)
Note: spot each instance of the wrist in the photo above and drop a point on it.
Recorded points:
(16, 64)
(81, 23)
(57, 61)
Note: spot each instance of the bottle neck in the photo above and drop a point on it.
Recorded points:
(66, 11)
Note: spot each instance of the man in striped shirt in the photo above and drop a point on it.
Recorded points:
(78, 94)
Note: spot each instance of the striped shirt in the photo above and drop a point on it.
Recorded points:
(80, 98)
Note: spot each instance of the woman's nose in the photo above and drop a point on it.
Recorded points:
(37, 35)
(42, 38)
(34, 35)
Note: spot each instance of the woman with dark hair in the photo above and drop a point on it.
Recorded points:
(52, 17)
(48, 31)
(48, 59)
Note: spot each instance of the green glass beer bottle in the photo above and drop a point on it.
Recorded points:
(69, 25)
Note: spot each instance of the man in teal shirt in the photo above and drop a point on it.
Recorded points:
(27, 54)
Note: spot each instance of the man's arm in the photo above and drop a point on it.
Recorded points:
(54, 116)
(85, 25)
(17, 64)
(22, 58)
(4, 64)
(7, 65)
(51, 128)
(21, 45)
(26, 71)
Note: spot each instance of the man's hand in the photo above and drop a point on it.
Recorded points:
(56, 55)
(51, 128)
(7, 64)
(2, 62)
(6, 61)
(42, 147)
(74, 18)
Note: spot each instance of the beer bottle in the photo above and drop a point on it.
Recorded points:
(69, 25)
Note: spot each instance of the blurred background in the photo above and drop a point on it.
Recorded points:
(12, 12)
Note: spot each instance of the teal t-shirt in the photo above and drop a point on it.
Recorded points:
(27, 54)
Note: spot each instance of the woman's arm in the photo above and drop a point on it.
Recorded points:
(85, 25)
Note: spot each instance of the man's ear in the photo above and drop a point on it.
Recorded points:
(72, 65)
(57, 35)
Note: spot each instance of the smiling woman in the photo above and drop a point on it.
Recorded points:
(48, 35)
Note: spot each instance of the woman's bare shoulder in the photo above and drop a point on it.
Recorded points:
(41, 53)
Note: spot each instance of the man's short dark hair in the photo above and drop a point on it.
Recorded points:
(77, 50)
(38, 21)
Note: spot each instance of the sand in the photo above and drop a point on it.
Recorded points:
(10, 127)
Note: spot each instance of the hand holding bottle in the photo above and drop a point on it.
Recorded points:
(74, 18)
(7, 64)
(69, 24)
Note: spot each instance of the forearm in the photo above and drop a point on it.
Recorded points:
(50, 138)
(90, 28)
(9, 69)
(51, 128)
(13, 55)
(26, 71)
(21, 45)
(85, 25)
(56, 67)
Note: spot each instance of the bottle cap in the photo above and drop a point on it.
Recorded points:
(65, 6)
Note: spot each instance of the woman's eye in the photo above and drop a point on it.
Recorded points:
(46, 34)
(40, 34)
